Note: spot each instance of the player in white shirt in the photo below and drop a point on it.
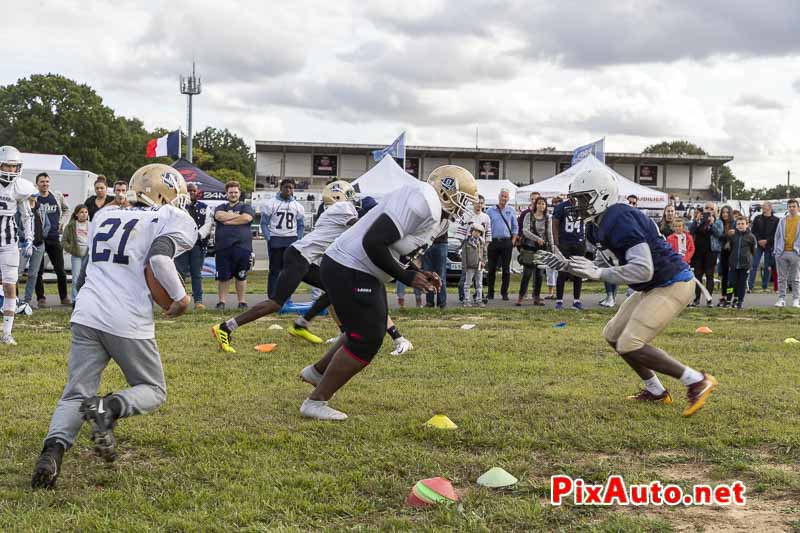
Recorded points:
(282, 223)
(14, 194)
(379, 247)
(300, 262)
(113, 317)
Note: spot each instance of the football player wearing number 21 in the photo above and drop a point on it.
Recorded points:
(635, 253)
(123, 242)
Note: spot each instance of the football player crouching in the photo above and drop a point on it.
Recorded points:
(124, 241)
(663, 282)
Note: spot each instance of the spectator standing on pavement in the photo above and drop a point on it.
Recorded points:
(121, 194)
(52, 204)
(473, 258)
(504, 237)
(100, 199)
(76, 243)
(535, 228)
(764, 227)
(569, 236)
(462, 232)
(668, 218)
(743, 246)
(191, 263)
(681, 241)
(706, 230)
(787, 255)
(234, 244)
(552, 275)
(435, 260)
(41, 226)
(282, 223)
(728, 230)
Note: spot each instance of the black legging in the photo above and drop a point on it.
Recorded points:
(538, 275)
(56, 254)
(569, 250)
(724, 265)
(499, 251)
(704, 262)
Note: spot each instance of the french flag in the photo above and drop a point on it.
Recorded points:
(168, 145)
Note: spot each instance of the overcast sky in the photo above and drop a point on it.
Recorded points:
(724, 74)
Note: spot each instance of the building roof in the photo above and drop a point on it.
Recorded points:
(487, 153)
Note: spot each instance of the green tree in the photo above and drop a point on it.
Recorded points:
(49, 113)
(674, 147)
(228, 174)
(227, 151)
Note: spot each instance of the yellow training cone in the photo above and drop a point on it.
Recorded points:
(791, 340)
(441, 422)
(703, 329)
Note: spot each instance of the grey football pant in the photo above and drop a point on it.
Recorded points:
(788, 272)
(89, 353)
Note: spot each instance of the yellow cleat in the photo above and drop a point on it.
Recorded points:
(303, 333)
(223, 339)
(698, 392)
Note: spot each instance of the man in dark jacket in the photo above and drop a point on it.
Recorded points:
(764, 226)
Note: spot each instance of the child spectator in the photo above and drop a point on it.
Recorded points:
(681, 241)
(743, 248)
(76, 243)
(473, 258)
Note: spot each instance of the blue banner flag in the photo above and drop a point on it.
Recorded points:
(396, 149)
(596, 148)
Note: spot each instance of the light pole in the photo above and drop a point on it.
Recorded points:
(190, 86)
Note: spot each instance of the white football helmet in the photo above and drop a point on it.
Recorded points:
(10, 165)
(456, 187)
(156, 185)
(591, 192)
(338, 191)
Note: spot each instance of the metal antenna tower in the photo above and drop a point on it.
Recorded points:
(190, 86)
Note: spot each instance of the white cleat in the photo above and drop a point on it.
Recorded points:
(8, 339)
(401, 346)
(780, 303)
(332, 340)
(320, 410)
(311, 375)
(795, 303)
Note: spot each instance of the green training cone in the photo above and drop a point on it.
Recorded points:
(497, 478)
(441, 422)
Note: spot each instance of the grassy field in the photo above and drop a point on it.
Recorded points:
(229, 450)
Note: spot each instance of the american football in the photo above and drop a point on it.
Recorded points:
(157, 292)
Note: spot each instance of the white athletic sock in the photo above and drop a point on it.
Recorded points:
(301, 322)
(231, 323)
(691, 376)
(654, 386)
(8, 323)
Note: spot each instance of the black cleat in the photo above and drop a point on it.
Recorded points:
(48, 467)
(96, 412)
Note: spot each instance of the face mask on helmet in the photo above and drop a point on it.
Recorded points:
(582, 204)
(10, 164)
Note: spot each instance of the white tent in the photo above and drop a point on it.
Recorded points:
(383, 178)
(490, 190)
(559, 185)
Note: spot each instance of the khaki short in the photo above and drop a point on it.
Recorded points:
(645, 314)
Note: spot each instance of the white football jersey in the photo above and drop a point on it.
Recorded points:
(416, 211)
(10, 196)
(283, 216)
(115, 297)
(333, 222)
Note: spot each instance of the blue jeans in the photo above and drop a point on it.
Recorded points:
(435, 260)
(191, 264)
(34, 264)
(77, 265)
(400, 290)
(766, 272)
